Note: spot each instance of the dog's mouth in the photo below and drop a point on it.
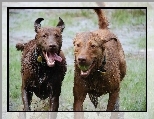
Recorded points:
(51, 58)
(85, 70)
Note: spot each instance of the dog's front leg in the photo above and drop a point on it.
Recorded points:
(25, 99)
(78, 106)
(79, 98)
(79, 93)
(113, 102)
(27, 91)
(54, 103)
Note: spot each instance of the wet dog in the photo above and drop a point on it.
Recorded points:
(43, 65)
(100, 66)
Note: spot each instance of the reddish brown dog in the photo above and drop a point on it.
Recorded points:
(100, 66)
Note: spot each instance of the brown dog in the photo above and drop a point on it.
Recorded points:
(43, 65)
(99, 66)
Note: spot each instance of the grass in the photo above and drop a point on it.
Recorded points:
(128, 17)
(50, 19)
(139, 43)
(14, 78)
(133, 88)
(67, 90)
(119, 17)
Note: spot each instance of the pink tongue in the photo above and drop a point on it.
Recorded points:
(58, 58)
(54, 57)
(51, 58)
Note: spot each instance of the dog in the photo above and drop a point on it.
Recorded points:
(43, 65)
(100, 66)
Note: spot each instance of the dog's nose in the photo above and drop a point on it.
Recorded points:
(52, 46)
(82, 59)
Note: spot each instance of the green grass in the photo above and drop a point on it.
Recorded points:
(14, 78)
(124, 17)
(133, 87)
(67, 90)
(119, 17)
(140, 43)
(23, 21)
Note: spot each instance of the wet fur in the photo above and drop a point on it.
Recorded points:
(37, 76)
(92, 47)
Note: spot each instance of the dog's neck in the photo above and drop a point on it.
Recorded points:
(39, 56)
(101, 68)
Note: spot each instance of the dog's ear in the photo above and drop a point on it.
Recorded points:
(20, 46)
(109, 39)
(61, 24)
(37, 24)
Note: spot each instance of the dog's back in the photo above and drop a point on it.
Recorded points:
(105, 34)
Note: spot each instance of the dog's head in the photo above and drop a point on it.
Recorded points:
(49, 40)
(88, 50)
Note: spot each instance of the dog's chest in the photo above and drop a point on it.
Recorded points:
(42, 90)
(96, 87)
(44, 81)
(96, 84)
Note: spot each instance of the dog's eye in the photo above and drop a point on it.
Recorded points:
(78, 45)
(57, 35)
(44, 36)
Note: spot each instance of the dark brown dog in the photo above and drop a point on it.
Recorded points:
(43, 65)
(99, 66)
